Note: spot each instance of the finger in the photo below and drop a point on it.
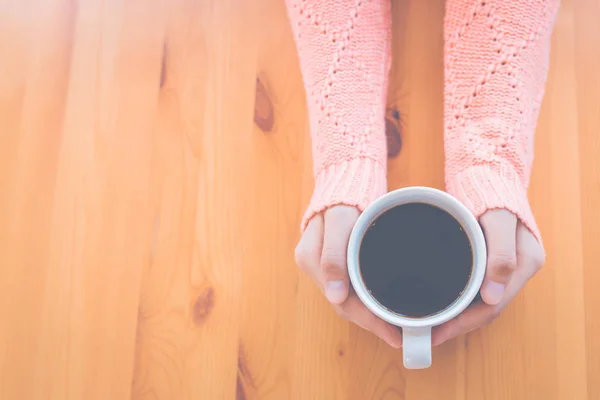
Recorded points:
(499, 227)
(308, 250)
(472, 318)
(355, 311)
(475, 317)
(530, 259)
(338, 225)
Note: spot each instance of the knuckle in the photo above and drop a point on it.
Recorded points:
(538, 266)
(301, 255)
(538, 259)
(332, 260)
(505, 261)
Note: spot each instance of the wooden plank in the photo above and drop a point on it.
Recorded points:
(564, 238)
(100, 231)
(586, 38)
(188, 331)
(76, 220)
(34, 87)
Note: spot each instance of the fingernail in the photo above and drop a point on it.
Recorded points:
(336, 291)
(494, 292)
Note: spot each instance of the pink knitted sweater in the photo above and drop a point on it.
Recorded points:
(496, 61)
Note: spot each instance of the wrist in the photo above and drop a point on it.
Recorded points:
(486, 187)
(356, 183)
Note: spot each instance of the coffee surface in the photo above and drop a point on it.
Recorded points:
(416, 259)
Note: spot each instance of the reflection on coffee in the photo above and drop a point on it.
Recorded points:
(415, 259)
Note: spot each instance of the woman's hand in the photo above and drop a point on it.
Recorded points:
(514, 256)
(321, 253)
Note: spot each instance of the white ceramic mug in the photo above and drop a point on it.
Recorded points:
(416, 332)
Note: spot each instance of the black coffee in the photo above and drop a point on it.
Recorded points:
(415, 259)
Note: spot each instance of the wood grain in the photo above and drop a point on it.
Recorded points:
(154, 167)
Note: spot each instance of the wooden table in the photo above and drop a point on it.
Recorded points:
(154, 167)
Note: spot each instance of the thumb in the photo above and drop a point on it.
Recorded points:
(499, 228)
(339, 221)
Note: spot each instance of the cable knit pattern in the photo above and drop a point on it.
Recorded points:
(496, 62)
(345, 56)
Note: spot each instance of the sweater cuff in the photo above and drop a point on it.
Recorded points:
(481, 188)
(357, 182)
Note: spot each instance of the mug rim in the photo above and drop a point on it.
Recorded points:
(447, 203)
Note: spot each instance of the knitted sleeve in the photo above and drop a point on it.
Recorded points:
(496, 61)
(345, 55)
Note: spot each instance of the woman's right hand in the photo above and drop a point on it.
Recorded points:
(321, 253)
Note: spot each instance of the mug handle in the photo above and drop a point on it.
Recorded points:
(416, 347)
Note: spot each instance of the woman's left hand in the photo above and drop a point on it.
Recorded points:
(514, 256)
